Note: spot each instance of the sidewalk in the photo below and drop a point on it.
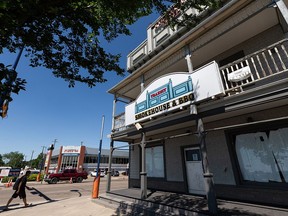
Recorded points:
(85, 206)
(125, 201)
(80, 206)
(181, 204)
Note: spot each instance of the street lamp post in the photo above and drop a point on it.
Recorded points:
(31, 159)
(41, 165)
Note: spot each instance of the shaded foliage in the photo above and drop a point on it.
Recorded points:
(1, 161)
(65, 36)
(36, 163)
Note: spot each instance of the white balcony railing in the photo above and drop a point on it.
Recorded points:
(262, 64)
(137, 54)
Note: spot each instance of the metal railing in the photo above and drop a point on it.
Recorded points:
(262, 64)
(119, 122)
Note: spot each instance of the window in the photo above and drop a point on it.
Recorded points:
(155, 162)
(193, 155)
(69, 162)
(232, 58)
(90, 159)
(263, 156)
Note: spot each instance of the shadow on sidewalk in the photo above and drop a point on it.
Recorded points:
(22, 206)
(34, 192)
(128, 202)
(40, 194)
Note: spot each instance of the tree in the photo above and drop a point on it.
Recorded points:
(36, 163)
(1, 161)
(14, 159)
(65, 36)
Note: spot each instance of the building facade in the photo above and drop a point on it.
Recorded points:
(84, 158)
(211, 99)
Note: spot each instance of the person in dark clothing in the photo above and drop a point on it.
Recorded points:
(20, 191)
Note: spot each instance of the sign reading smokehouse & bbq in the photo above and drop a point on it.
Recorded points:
(173, 91)
(164, 98)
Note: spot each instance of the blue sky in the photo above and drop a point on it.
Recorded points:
(50, 110)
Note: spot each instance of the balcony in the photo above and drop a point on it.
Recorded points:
(159, 35)
(262, 64)
(257, 69)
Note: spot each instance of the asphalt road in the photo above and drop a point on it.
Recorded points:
(62, 190)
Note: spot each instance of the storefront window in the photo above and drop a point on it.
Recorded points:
(69, 162)
(155, 162)
(263, 156)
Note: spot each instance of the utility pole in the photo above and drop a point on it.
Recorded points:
(49, 155)
(54, 143)
(31, 159)
(41, 165)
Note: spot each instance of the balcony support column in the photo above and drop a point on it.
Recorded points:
(283, 9)
(142, 82)
(208, 176)
(113, 112)
(143, 172)
(108, 186)
(188, 59)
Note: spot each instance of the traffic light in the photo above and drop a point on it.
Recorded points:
(51, 147)
(4, 108)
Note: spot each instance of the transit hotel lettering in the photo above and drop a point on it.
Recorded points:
(165, 106)
(158, 93)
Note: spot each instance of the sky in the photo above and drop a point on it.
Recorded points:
(49, 110)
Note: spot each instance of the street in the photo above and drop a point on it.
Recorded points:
(62, 190)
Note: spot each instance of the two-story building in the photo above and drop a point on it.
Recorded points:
(230, 71)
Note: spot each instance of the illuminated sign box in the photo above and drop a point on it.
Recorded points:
(173, 91)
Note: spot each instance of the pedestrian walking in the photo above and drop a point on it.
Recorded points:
(19, 188)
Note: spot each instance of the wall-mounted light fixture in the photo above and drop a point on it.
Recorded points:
(138, 126)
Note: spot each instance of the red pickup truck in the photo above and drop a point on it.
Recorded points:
(66, 175)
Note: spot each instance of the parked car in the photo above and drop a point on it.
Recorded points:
(94, 173)
(35, 171)
(115, 173)
(67, 174)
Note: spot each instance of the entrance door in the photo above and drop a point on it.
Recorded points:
(194, 171)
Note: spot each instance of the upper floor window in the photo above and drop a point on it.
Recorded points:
(232, 58)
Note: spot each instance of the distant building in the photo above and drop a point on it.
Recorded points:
(84, 158)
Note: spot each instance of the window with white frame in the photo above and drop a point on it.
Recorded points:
(155, 162)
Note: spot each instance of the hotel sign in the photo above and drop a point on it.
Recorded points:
(174, 91)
